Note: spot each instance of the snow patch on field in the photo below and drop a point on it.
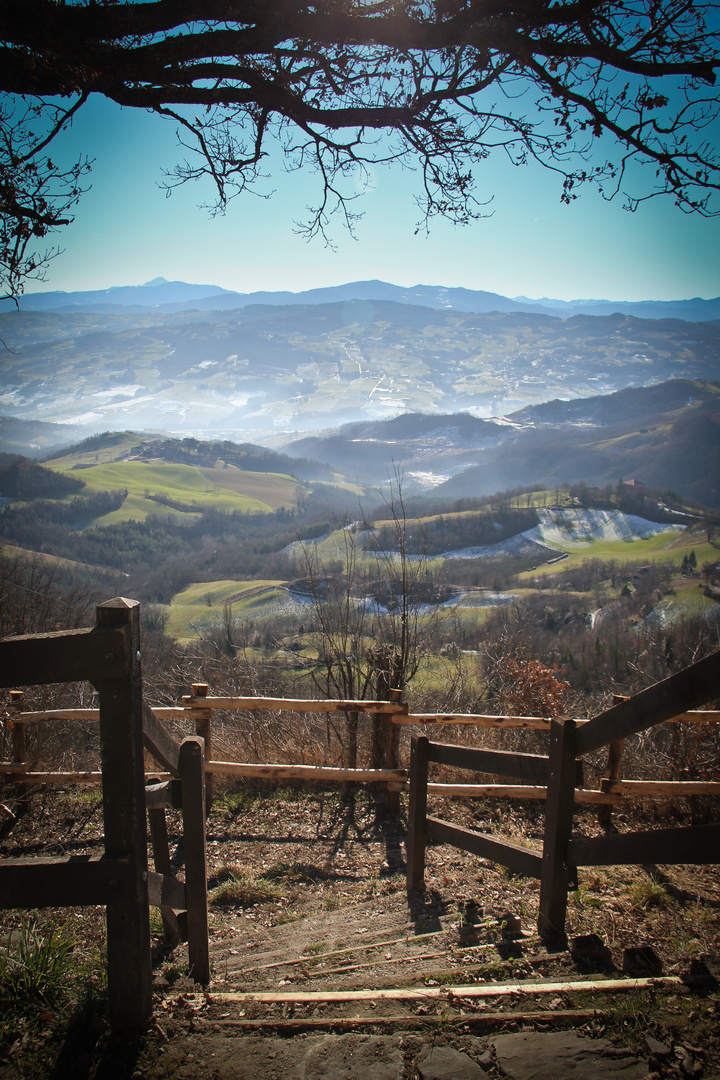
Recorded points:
(576, 528)
(523, 545)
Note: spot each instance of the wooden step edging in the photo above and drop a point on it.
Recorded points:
(474, 990)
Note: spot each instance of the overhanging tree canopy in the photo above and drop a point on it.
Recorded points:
(585, 87)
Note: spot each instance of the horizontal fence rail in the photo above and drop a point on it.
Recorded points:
(108, 656)
(197, 709)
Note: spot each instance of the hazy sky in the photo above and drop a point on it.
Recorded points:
(127, 232)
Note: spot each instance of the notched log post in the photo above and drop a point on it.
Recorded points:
(123, 776)
(559, 806)
(203, 730)
(17, 701)
(192, 777)
(417, 815)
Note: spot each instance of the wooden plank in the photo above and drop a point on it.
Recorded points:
(539, 723)
(161, 712)
(92, 776)
(483, 1019)
(695, 716)
(123, 788)
(180, 712)
(164, 795)
(293, 704)
(157, 741)
(515, 858)
(192, 774)
(474, 990)
(64, 656)
(687, 689)
(417, 813)
(532, 767)
(303, 772)
(654, 788)
(695, 845)
(77, 881)
(519, 791)
(165, 891)
(474, 719)
(60, 714)
(558, 827)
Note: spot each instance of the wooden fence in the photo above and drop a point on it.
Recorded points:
(197, 711)
(560, 773)
(107, 655)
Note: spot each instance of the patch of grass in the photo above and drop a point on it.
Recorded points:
(37, 972)
(293, 873)
(233, 802)
(236, 888)
(316, 947)
(645, 893)
(288, 917)
(331, 903)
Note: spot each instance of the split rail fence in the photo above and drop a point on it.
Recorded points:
(561, 771)
(108, 656)
(197, 711)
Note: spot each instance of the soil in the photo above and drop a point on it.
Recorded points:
(308, 898)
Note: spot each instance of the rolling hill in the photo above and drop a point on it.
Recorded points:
(666, 435)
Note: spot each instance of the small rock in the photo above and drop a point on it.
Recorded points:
(444, 1063)
(657, 1049)
(561, 1055)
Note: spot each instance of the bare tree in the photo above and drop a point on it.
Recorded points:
(371, 626)
(342, 669)
(342, 85)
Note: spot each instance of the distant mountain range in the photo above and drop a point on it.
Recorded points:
(178, 296)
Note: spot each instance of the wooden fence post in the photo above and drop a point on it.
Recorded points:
(558, 828)
(417, 813)
(615, 751)
(202, 728)
(192, 776)
(17, 700)
(123, 782)
(161, 861)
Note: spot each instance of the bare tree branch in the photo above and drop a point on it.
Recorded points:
(341, 85)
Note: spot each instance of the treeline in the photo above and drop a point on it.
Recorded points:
(22, 478)
(47, 525)
(204, 454)
(161, 555)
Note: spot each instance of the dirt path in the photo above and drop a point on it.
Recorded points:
(308, 902)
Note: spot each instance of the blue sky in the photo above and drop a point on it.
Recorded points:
(127, 231)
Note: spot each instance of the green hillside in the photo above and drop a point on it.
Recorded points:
(199, 608)
(165, 487)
